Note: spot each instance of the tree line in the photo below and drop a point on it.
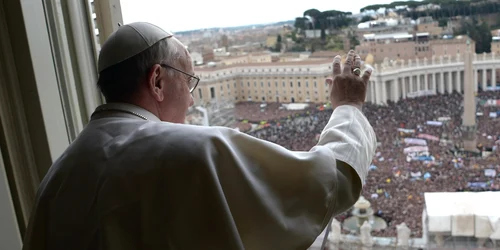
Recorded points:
(324, 20)
(333, 19)
(447, 8)
(478, 31)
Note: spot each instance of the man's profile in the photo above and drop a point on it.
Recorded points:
(138, 178)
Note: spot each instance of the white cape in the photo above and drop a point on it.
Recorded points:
(129, 184)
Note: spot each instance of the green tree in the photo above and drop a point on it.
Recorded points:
(480, 33)
(330, 19)
(323, 34)
(366, 19)
(314, 13)
(278, 44)
(353, 40)
(293, 35)
(443, 22)
(335, 43)
(300, 23)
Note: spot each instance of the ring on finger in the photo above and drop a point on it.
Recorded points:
(356, 71)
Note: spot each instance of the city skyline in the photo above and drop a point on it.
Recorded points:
(215, 14)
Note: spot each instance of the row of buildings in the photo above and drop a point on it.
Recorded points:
(402, 39)
(405, 46)
(300, 77)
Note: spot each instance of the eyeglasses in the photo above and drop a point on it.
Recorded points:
(193, 81)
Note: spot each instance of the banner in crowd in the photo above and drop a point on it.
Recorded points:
(495, 114)
(434, 123)
(491, 88)
(428, 137)
(425, 158)
(420, 93)
(416, 174)
(418, 154)
(415, 149)
(477, 184)
(407, 131)
(444, 119)
(420, 158)
(490, 173)
(416, 141)
(493, 103)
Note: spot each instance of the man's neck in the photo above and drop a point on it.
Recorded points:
(130, 108)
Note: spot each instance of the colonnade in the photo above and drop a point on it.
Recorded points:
(394, 81)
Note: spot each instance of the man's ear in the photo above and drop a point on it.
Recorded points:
(156, 82)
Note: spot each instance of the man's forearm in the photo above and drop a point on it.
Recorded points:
(351, 138)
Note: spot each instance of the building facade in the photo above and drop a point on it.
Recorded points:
(495, 45)
(301, 81)
(406, 46)
(428, 25)
(261, 57)
(304, 81)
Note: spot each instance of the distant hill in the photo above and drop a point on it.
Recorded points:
(188, 32)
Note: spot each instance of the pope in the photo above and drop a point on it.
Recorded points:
(138, 178)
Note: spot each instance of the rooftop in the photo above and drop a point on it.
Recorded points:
(247, 65)
(398, 35)
(457, 39)
(325, 53)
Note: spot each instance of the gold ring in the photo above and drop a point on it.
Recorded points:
(356, 71)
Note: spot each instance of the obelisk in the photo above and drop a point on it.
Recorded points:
(469, 115)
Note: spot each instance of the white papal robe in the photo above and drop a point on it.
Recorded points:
(128, 184)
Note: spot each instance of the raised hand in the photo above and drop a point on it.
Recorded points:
(347, 86)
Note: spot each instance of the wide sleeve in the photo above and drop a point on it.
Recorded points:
(281, 199)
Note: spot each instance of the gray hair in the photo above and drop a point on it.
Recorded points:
(121, 81)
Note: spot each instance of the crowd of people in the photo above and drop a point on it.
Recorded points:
(398, 180)
(257, 112)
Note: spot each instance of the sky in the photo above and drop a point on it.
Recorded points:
(182, 15)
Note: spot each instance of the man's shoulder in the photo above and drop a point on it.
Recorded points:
(150, 136)
(185, 133)
(166, 128)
